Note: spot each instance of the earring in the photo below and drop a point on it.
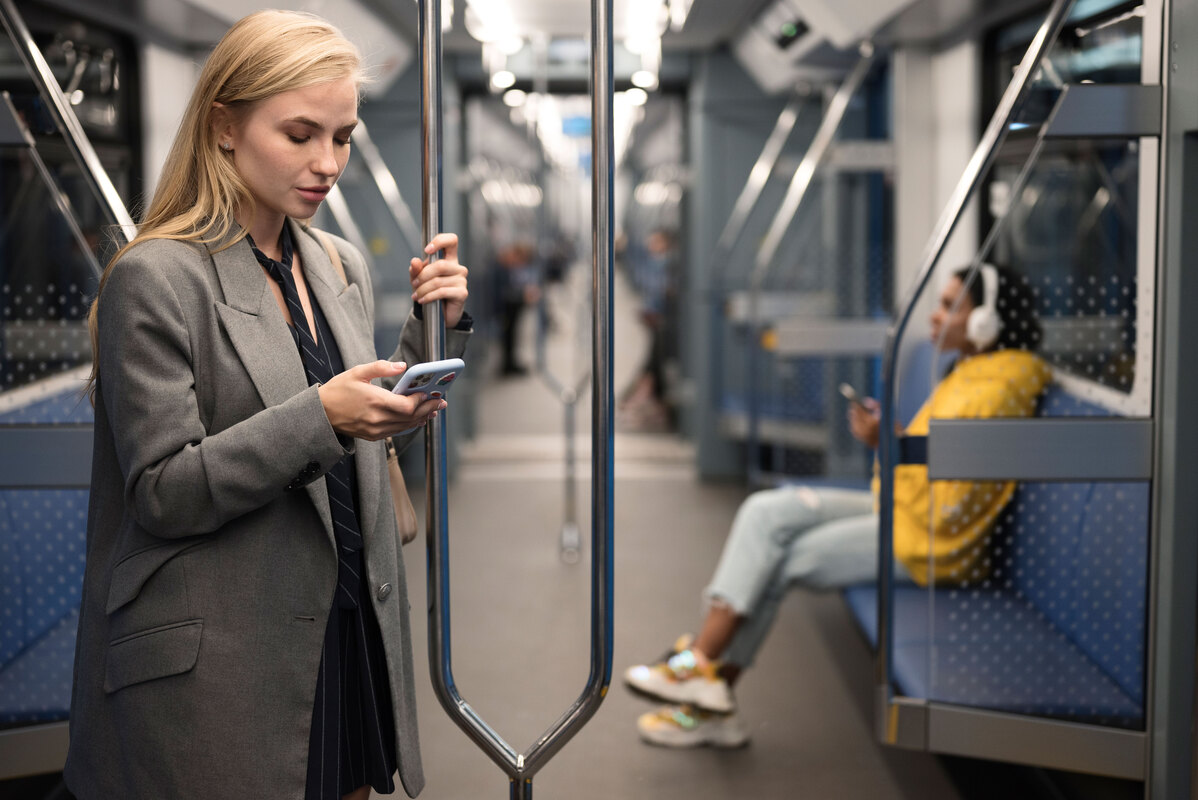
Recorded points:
(226, 146)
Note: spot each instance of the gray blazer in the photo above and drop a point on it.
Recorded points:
(211, 565)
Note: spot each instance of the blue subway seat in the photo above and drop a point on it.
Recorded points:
(58, 409)
(43, 545)
(1058, 628)
(36, 685)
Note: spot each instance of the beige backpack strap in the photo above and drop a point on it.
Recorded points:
(327, 242)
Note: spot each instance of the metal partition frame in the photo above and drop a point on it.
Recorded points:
(64, 117)
(942, 727)
(766, 254)
(42, 450)
(1171, 696)
(521, 767)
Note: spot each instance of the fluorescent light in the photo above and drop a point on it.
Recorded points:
(679, 11)
(636, 97)
(510, 45)
(514, 97)
(503, 79)
(644, 79)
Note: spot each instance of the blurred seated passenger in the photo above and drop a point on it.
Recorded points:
(822, 538)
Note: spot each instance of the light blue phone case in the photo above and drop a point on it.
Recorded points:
(431, 379)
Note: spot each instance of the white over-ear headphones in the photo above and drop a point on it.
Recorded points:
(984, 324)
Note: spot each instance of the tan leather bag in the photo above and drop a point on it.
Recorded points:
(405, 514)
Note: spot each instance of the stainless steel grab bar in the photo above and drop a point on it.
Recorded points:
(795, 193)
(384, 179)
(339, 208)
(64, 117)
(979, 165)
(521, 767)
(806, 169)
(763, 168)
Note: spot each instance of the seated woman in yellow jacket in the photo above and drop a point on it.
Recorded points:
(824, 538)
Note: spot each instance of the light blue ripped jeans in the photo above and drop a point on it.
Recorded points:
(794, 536)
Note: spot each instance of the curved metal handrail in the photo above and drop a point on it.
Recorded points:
(385, 181)
(570, 539)
(795, 193)
(801, 181)
(339, 207)
(979, 165)
(521, 767)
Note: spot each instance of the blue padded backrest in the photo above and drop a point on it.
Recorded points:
(42, 547)
(1078, 552)
(1111, 577)
(43, 537)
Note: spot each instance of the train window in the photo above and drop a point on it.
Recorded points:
(1100, 43)
(1074, 229)
(1072, 234)
(95, 69)
(47, 276)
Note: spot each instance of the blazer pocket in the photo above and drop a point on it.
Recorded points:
(131, 572)
(156, 653)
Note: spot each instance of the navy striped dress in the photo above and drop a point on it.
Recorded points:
(352, 739)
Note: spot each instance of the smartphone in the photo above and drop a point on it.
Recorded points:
(431, 379)
(850, 394)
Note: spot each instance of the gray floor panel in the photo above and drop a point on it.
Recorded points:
(520, 645)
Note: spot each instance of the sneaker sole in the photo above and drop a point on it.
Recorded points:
(679, 692)
(682, 740)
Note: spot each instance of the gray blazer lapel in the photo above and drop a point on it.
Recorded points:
(259, 334)
(344, 311)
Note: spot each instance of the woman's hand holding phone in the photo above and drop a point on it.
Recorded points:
(864, 416)
(358, 408)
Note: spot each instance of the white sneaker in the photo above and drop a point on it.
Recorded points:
(679, 679)
(683, 726)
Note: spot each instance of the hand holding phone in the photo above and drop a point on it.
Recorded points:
(431, 379)
(863, 416)
(851, 395)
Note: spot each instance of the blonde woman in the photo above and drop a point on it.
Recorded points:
(244, 628)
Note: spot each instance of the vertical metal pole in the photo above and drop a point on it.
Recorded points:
(571, 540)
(520, 767)
(602, 393)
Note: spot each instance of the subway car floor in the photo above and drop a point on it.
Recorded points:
(521, 619)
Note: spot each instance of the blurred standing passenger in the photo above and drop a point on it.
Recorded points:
(244, 629)
(519, 287)
(822, 538)
(645, 404)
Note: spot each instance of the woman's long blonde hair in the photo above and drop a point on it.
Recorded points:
(262, 55)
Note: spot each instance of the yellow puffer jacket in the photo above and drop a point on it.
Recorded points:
(940, 531)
